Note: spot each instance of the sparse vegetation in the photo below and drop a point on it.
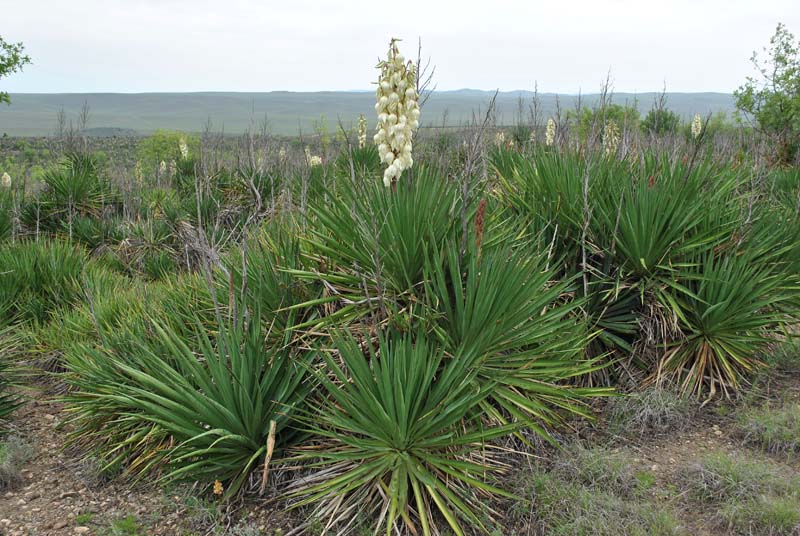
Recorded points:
(775, 429)
(751, 495)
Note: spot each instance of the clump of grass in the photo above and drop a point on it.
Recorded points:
(127, 526)
(776, 430)
(567, 507)
(750, 496)
(13, 454)
(655, 410)
(598, 468)
(773, 516)
(596, 491)
(785, 356)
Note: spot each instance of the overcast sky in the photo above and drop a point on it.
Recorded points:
(300, 45)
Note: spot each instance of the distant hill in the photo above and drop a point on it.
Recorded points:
(290, 112)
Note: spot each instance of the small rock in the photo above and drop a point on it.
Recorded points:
(59, 525)
(49, 417)
(81, 530)
(5, 522)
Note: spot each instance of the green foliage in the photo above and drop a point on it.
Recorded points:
(12, 60)
(9, 401)
(498, 304)
(39, 279)
(164, 146)
(208, 419)
(773, 97)
(727, 315)
(660, 121)
(271, 258)
(370, 235)
(74, 191)
(403, 419)
(591, 121)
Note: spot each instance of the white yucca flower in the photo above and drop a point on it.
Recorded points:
(184, 148)
(312, 160)
(397, 107)
(500, 139)
(6, 180)
(282, 153)
(362, 131)
(162, 168)
(532, 137)
(173, 168)
(138, 173)
(697, 126)
(611, 137)
(550, 133)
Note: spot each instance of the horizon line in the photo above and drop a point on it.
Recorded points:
(489, 91)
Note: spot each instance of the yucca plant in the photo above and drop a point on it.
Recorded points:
(39, 278)
(265, 277)
(729, 313)
(209, 419)
(669, 214)
(362, 163)
(71, 190)
(400, 438)
(9, 401)
(502, 305)
(372, 242)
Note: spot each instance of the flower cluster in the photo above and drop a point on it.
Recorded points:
(6, 180)
(362, 131)
(282, 153)
(500, 138)
(398, 113)
(550, 133)
(184, 148)
(610, 137)
(312, 160)
(697, 126)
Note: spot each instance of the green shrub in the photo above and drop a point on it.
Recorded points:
(404, 419)
(207, 419)
(39, 279)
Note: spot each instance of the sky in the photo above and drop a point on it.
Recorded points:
(298, 45)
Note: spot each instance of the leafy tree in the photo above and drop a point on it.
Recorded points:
(12, 60)
(661, 121)
(591, 120)
(164, 145)
(773, 97)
